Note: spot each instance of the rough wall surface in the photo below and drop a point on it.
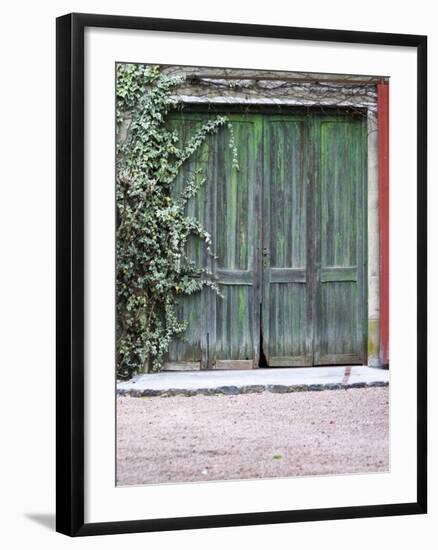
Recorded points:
(217, 85)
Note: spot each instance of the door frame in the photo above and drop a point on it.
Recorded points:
(311, 205)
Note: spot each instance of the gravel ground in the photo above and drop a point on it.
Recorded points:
(200, 438)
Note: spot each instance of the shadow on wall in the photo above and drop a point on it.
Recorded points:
(46, 520)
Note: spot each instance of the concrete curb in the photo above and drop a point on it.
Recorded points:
(253, 388)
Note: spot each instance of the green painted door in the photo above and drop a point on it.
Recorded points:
(190, 350)
(235, 317)
(289, 231)
(286, 327)
(224, 330)
(340, 244)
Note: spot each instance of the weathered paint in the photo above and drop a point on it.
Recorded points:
(383, 133)
(235, 317)
(285, 290)
(341, 246)
(191, 348)
(299, 195)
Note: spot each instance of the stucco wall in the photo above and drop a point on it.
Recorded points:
(373, 242)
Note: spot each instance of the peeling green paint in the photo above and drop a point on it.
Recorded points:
(321, 218)
(241, 305)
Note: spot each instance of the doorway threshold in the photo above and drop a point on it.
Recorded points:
(285, 380)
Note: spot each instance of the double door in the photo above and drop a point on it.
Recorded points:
(289, 233)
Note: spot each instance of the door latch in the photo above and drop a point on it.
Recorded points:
(265, 257)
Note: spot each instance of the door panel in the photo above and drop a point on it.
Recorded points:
(193, 309)
(340, 292)
(285, 294)
(225, 327)
(236, 336)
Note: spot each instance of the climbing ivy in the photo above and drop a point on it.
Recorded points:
(152, 227)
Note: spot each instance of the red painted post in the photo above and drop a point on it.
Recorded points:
(383, 137)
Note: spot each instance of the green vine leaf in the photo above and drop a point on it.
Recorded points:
(153, 272)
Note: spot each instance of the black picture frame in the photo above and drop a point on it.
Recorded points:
(70, 273)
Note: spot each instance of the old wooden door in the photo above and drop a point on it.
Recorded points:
(224, 331)
(289, 231)
(286, 305)
(314, 246)
(339, 249)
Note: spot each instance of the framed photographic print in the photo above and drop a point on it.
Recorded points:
(241, 274)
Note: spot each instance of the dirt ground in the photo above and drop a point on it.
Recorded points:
(200, 438)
